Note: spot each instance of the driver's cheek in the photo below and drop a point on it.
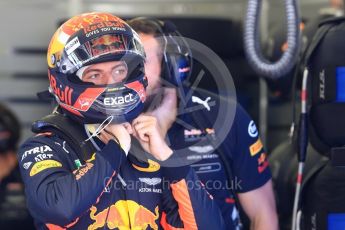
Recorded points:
(122, 77)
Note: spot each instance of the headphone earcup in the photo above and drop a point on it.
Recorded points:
(176, 63)
(184, 68)
(175, 69)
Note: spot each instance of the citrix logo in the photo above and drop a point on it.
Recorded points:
(40, 149)
(111, 101)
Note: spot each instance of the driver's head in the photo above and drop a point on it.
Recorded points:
(149, 31)
(168, 56)
(96, 69)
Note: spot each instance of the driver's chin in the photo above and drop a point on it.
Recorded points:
(153, 99)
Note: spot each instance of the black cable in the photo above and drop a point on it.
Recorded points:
(294, 96)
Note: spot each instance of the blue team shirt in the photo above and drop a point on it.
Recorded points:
(242, 147)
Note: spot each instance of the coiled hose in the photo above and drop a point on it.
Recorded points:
(252, 41)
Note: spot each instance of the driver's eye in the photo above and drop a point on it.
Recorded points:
(121, 70)
(92, 76)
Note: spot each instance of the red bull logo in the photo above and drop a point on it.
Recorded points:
(64, 94)
(85, 21)
(101, 25)
(262, 158)
(124, 215)
(144, 218)
(262, 162)
(89, 23)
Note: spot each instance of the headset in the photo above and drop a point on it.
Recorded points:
(176, 64)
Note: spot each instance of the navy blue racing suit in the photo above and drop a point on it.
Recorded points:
(110, 190)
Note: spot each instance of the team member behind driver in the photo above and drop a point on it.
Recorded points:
(11, 185)
(84, 178)
(243, 150)
(9, 137)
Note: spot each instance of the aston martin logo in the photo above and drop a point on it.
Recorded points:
(151, 181)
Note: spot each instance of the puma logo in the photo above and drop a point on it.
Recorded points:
(204, 103)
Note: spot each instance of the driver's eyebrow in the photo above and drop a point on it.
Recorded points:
(100, 69)
(90, 70)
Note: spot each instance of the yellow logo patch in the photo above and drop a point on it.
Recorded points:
(93, 157)
(153, 167)
(43, 165)
(255, 148)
